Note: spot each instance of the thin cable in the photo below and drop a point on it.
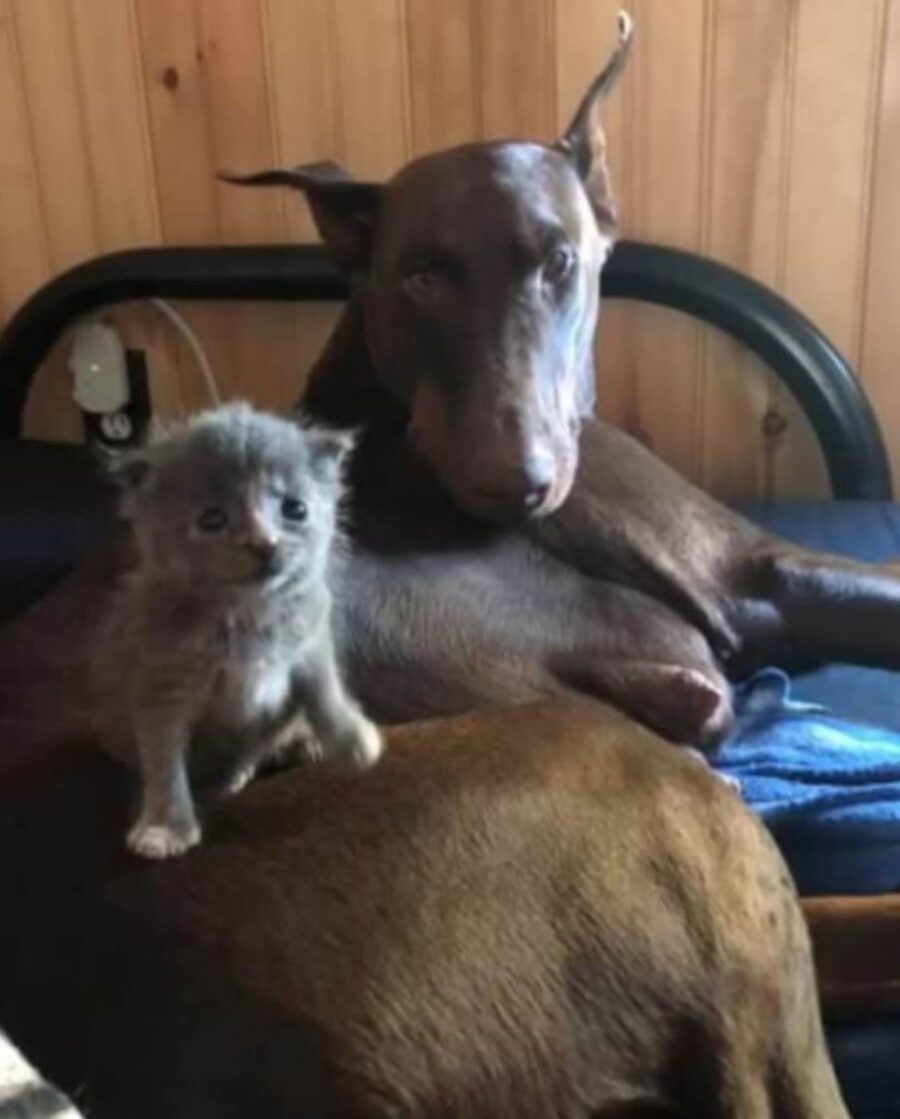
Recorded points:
(203, 363)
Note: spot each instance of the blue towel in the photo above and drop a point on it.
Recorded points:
(828, 789)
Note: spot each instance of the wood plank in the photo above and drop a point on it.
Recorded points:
(667, 146)
(832, 123)
(443, 91)
(175, 56)
(196, 57)
(881, 327)
(50, 412)
(300, 48)
(372, 86)
(63, 172)
(752, 52)
(262, 337)
(23, 245)
(115, 125)
(301, 67)
(517, 69)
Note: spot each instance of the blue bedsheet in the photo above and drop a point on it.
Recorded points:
(828, 788)
(819, 758)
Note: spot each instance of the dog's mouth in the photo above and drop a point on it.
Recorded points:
(490, 506)
(471, 491)
(506, 505)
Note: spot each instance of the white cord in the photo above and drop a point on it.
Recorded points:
(196, 349)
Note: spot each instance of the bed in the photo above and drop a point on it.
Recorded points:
(54, 508)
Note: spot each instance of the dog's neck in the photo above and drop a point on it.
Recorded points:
(386, 474)
(343, 388)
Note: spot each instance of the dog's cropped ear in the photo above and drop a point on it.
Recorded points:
(583, 142)
(344, 208)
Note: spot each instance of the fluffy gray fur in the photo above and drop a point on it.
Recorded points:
(219, 643)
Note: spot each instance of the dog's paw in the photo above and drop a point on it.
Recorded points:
(163, 841)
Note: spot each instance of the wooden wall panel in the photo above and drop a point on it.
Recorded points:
(835, 82)
(761, 132)
(59, 142)
(113, 108)
(372, 84)
(301, 50)
(517, 68)
(23, 243)
(444, 94)
(666, 151)
(744, 206)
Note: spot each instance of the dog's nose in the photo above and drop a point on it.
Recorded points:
(536, 497)
(525, 491)
(537, 480)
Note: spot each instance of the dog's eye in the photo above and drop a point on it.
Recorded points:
(423, 286)
(559, 264)
(294, 509)
(212, 520)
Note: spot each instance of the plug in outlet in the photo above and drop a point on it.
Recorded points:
(111, 386)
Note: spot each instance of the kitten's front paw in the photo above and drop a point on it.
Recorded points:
(163, 841)
(364, 745)
(241, 778)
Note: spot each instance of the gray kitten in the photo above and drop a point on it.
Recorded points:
(219, 642)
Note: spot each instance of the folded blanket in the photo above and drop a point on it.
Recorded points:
(828, 789)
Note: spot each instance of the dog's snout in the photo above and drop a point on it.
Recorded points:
(526, 489)
(537, 478)
(536, 497)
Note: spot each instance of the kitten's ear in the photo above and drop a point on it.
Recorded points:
(329, 449)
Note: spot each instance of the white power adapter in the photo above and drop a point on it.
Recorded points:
(100, 368)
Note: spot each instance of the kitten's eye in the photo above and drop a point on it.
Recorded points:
(559, 264)
(294, 509)
(424, 286)
(212, 520)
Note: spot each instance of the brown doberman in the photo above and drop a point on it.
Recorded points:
(509, 548)
(510, 545)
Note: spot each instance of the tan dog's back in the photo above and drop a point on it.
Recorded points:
(541, 912)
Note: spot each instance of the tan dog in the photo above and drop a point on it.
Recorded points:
(541, 913)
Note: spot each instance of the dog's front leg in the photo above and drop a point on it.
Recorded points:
(815, 608)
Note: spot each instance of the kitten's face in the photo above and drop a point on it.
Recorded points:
(238, 498)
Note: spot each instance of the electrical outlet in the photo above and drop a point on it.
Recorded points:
(125, 426)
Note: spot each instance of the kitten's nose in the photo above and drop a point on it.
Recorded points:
(262, 542)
